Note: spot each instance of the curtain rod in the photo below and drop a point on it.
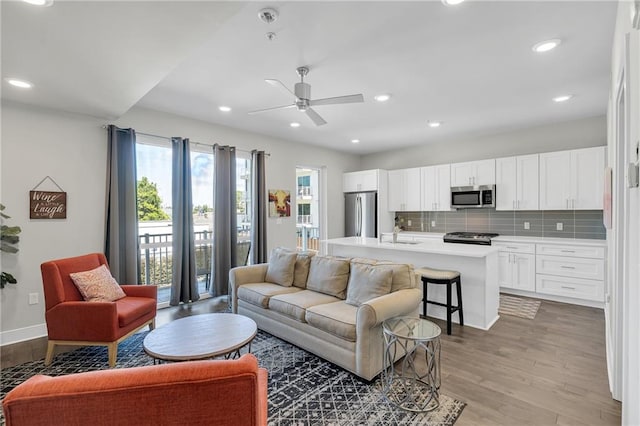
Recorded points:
(104, 126)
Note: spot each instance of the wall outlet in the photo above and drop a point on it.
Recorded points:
(433, 223)
(33, 298)
(527, 225)
(409, 222)
(559, 226)
(278, 221)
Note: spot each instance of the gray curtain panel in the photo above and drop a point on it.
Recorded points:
(121, 227)
(259, 201)
(184, 285)
(225, 229)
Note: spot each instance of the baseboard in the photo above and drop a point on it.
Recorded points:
(10, 337)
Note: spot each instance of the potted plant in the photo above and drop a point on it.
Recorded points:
(9, 238)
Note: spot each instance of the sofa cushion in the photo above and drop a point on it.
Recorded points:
(301, 270)
(259, 293)
(338, 318)
(295, 304)
(367, 282)
(329, 275)
(402, 277)
(131, 308)
(97, 285)
(282, 263)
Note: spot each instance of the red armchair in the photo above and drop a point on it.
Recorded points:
(218, 392)
(72, 321)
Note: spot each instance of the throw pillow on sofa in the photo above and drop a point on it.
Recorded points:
(328, 275)
(97, 285)
(281, 267)
(301, 271)
(367, 282)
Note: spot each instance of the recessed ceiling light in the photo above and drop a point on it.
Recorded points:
(382, 98)
(434, 123)
(23, 84)
(545, 46)
(224, 108)
(355, 140)
(294, 124)
(451, 2)
(39, 2)
(562, 98)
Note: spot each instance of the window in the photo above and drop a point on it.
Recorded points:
(304, 209)
(304, 180)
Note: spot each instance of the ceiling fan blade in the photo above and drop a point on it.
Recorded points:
(349, 99)
(271, 109)
(315, 117)
(278, 83)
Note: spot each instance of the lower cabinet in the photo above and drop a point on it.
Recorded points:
(516, 266)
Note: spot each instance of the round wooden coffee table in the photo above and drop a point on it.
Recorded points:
(200, 337)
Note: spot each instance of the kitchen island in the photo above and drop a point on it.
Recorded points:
(478, 267)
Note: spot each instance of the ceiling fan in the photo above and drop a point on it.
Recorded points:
(302, 93)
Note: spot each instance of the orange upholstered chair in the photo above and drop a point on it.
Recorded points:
(72, 321)
(218, 392)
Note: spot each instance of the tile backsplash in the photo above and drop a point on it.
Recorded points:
(575, 224)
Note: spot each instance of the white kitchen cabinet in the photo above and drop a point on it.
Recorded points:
(404, 190)
(366, 180)
(516, 266)
(572, 180)
(570, 271)
(436, 188)
(517, 183)
(473, 173)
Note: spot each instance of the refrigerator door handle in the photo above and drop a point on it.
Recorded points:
(359, 216)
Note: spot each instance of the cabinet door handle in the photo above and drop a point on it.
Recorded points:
(513, 204)
(512, 248)
(567, 287)
(567, 267)
(568, 251)
(567, 204)
(518, 204)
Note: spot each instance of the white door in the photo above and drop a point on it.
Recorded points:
(555, 180)
(527, 182)
(506, 183)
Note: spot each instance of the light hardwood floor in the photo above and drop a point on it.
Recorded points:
(546, 371)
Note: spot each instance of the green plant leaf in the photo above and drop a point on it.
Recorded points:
(7, 248)
(10, 230)
(11, 239)
(7, 278)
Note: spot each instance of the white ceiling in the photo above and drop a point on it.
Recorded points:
(469, 66)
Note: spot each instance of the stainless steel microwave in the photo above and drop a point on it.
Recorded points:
(473, 197)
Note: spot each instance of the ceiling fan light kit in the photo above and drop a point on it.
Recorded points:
(302, 98)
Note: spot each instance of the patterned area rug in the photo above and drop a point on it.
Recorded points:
(303, 389)
(518, 307)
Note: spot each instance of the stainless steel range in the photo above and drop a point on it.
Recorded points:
(469, 238)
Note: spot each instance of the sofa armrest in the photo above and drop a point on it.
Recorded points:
(79, 320)
(150, 291)
(245, 275)
(399, 303)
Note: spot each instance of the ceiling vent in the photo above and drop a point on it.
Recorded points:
(268, 15)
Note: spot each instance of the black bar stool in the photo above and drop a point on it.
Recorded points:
(439, 276)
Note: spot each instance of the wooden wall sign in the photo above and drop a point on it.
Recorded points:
(47, 205)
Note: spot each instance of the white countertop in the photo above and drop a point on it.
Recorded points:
(547, 240)
(434, 246)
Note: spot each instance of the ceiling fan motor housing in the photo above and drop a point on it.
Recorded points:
(302, 91)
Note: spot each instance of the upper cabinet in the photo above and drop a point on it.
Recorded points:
(473, 173)
(572, 180)
(366, 180)
(436, 188)
(517, 183)
(404, 190)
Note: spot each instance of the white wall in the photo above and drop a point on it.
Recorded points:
(551, 137)
(629, 321)
(72, 150)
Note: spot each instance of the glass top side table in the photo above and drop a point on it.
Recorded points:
(412, 384)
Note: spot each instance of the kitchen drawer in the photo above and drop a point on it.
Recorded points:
(570, 287)
(516, 247)
(570, 267)
(593, 252)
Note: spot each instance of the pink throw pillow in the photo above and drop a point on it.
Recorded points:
(97, 285)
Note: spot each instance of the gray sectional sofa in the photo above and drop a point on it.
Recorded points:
(332, 307)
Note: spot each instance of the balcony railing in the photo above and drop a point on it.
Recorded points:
(304, 191)
(308, 238)
(305, 218)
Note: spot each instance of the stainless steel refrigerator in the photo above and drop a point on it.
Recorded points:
(360, 214)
